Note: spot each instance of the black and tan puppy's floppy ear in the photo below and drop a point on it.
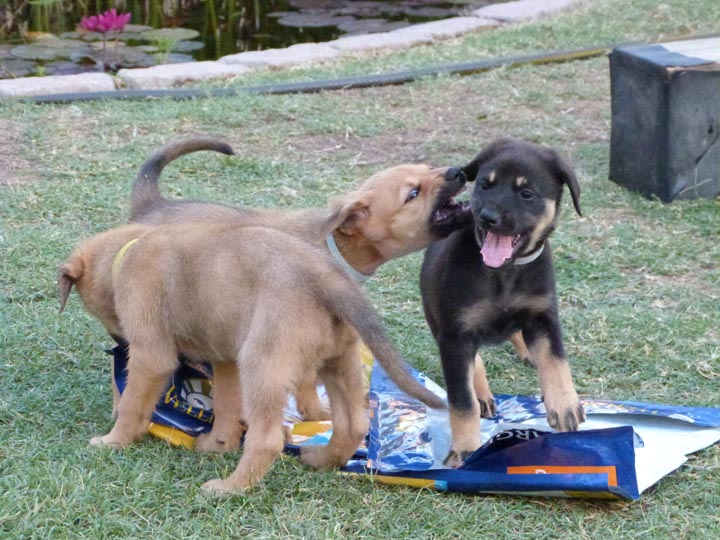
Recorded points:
(489, 152)
(565, 174)
(346, 213)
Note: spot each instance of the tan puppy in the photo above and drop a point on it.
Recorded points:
(394, 212)
(278, 307)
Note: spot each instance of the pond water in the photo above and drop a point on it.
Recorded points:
(40, 36)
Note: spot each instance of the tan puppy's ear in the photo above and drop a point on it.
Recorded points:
(68, 274)
(347, 212)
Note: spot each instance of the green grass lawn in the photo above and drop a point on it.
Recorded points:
(638, 281)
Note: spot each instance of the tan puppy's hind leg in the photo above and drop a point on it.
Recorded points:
(115, 392)
(308, 402)
(344, 383)
(148, 372)
(264, 442)
(265, 390)
(228, 424)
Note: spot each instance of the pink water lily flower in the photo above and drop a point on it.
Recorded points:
(105, 22)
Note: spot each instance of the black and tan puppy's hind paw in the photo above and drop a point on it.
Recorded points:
(488, 408)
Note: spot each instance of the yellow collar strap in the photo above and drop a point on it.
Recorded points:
(119, 257)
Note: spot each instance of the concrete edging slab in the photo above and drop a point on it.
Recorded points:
(56, 84)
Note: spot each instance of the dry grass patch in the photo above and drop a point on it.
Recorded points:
(15, 170)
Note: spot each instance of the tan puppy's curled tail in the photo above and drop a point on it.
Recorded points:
(145, 190)
(345, 300)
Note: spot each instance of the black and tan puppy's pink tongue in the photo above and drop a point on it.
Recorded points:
(496, 249)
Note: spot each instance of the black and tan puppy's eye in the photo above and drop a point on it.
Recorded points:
(413, 193)
(526, 194)
(484, 184)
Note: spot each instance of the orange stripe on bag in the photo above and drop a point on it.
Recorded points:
(542, 469)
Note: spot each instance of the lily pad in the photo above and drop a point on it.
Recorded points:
(368, 26)
(137, 59)
(131, 36)
(84, 35)
(124, 56)
(132, 32)
(48, 47)
(5, 51)
(312, 19)
(70, 68)
(86, 58)
(176, 58)
(50, 40)
(136, 28)
(38, 52)
(188, 46)
(176, 34)
(15, 67)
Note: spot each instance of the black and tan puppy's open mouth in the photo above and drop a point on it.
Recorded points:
(498, 250)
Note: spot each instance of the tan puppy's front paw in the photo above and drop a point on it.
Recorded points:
(220, 488)
(318, 457)
(108, 442)
(209, 443)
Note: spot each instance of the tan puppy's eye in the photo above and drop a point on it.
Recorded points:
(413, 193)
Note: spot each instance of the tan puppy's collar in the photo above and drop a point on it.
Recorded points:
(335, 252)
(119, 257)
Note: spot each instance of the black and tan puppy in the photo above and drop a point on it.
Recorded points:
(493, 280)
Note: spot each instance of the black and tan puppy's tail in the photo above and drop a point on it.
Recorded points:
(145, 190)
(345, 300)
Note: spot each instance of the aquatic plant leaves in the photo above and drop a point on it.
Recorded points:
(175, 34)
(16, 67)
(187, 46)
(38, 51)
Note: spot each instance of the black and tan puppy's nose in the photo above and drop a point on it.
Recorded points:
(489, 217)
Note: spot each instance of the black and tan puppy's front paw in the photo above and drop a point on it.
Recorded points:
(455, 458)
(565, 416)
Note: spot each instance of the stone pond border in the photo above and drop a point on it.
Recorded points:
(235, 65)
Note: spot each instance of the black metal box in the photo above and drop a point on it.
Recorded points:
(665, 103)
